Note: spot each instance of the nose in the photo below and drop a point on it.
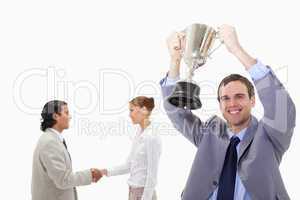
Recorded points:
(232, 102)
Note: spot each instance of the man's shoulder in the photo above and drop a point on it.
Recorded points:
(215, 125)
(214, 120)
(46, 137)
(48, 142)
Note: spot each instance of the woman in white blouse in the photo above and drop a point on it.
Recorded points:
(142, 162)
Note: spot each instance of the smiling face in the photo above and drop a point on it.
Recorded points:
(236, 104)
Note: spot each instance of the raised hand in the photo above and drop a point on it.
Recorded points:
(176, 44)
(230, 39)
(229, 36)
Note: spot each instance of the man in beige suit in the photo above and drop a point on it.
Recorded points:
(52, 175)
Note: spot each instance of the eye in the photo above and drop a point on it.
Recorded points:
(240, 96)
(224, 98)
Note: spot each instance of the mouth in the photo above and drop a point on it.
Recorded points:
(234, 111)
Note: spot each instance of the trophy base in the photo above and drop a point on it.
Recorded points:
(186, 96)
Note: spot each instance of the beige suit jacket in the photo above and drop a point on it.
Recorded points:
(52, 175)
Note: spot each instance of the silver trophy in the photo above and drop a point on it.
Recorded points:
(199, 39)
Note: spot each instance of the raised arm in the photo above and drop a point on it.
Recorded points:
(279, 110)
(183, 120)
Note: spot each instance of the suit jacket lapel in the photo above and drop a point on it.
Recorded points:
(53, 134)
(248, 138)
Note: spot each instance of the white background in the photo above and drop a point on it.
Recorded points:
(97, 55)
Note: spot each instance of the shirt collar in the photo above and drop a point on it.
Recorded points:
(240, 134)
(141, 131)
(60, 135)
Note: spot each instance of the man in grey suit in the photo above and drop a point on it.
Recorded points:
(238, 158)
(52, 175)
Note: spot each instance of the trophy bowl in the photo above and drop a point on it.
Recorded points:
(199, 39)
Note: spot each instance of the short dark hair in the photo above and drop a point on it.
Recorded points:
(51, 107)
(142, 101)
(237, 77)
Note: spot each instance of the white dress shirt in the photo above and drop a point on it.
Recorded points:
(142, 162)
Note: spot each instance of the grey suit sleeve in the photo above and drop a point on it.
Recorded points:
(183, 120)
(54, 162)
(279, 112)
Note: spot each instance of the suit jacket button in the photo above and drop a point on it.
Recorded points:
(215, 183)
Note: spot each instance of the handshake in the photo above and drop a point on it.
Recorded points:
(97, 174)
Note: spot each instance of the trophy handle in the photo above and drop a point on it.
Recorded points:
(217, 36)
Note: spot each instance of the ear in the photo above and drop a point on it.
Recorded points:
(55, 116)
